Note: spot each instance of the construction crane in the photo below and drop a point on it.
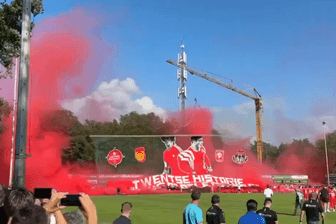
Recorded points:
(257, 99)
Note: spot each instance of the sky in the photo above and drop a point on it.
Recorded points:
(286, 50)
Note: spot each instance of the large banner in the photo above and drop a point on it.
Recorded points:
(157, 155)
(186, 182)
(165, 162)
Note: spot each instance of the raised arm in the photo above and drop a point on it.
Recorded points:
(89, 209)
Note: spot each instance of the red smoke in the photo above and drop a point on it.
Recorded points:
(309, 162)
(293, 161)
(78, 90)
(199, 121)
(63, 57)
(5, 152)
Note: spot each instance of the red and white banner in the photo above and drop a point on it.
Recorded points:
(186, 182)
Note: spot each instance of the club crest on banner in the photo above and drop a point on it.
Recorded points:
(114, 157)
(240, 157)
(140, 154)
(219, 155)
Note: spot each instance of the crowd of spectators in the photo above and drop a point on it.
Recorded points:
(313, 208)
(279, 188)
(193, 214)
(19, 206)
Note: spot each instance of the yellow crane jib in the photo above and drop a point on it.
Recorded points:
(257, 99)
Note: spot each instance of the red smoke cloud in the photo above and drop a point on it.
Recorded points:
(5, 152)
(293, 161)
(199, 121)
(62, 53)
(60, 58)
(78, 90)
(309, 161)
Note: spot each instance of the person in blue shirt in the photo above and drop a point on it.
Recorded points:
(251, 217)
(192, 213)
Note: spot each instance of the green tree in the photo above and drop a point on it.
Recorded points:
(139, 124)
(281, 149)
(131, 124)
(84, 148)
(10, 30)
(301, 145)
(81, 150)
(269, 151)
(5, 110)
(61, 121)
(331, 146)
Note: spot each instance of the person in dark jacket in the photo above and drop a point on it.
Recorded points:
(215, 214)
(126, 210)
(312, 209)
(324, 198)
(266, 212)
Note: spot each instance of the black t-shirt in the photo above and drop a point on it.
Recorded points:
(215, 215)
(122, 220)
(313, 210)
(269, 215)
(324, 193)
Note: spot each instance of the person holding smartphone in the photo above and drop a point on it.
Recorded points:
(59, 201)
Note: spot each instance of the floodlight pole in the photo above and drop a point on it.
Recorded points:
(326, 153)
(22, 105)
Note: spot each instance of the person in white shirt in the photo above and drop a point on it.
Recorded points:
(268, 192)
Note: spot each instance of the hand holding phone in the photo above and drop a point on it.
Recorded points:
(88, 208)
(42, 193)
(52, 205)
(71, 200)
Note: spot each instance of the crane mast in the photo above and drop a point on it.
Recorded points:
(182, 77)
(257, 99)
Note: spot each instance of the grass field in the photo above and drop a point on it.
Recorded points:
(168, 208)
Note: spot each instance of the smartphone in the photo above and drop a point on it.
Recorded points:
(42, 192)
(71, 200)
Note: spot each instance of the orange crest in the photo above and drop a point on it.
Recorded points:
(140, 154)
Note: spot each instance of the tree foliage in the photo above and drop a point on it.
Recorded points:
(10, 30)
(331, 145)
(270, 152)
(83, 148)
(5, 110)
(301, 145)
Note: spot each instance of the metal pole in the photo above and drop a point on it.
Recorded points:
(182, 77)
(326, 152)
(22, 113)
(13, 126)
